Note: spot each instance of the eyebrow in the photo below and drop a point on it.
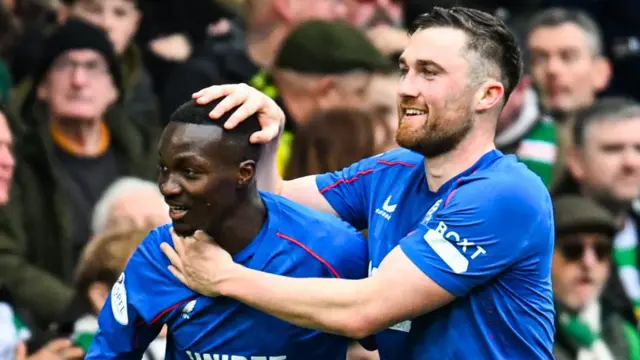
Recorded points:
(423, 64)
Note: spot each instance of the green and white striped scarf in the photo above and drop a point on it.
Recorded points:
(625, 256)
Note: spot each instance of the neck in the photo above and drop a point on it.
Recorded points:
(262, 47)
(443, 168)
(81, 137)
(242, 224)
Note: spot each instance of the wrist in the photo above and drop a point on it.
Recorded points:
(229, 284)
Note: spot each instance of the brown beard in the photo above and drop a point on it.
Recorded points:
(435, 137)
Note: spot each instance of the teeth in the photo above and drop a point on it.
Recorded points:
(412, 112)
(176, 208)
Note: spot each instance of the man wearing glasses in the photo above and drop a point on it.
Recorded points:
(587, 325)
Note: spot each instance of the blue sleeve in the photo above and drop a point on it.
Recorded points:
(484, 228)
(133, 314)
(348, 192)
(122, 332)
(349, 253)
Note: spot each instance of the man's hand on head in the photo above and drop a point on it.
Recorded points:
(199, 262)
(249, 101)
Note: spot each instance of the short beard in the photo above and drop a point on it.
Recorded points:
(432, 141)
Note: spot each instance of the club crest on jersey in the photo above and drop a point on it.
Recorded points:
(119, 301)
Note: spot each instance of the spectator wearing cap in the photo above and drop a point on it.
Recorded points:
(120, 19)
(322, 65)
(603, 164)
(234, 56)
(71, 155)
(588, 325)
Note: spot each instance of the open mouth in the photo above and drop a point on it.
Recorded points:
(177, 212)
(412, 114)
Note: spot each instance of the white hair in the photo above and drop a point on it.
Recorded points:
(116, 191)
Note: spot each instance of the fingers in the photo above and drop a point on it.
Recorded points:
(211, 93)
(177, 242)
(249, 105)
(200, 235)
(73, 353)
(264, 136)
(58, 345)
(230, 102)
(174, 258)
(21, 352)
(178, 274)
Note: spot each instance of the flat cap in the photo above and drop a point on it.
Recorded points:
(574, 213)
(330, 47)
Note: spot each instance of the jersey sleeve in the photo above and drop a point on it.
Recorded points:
(132, 317)
(347, 191)
(349, 253)
(482, 230)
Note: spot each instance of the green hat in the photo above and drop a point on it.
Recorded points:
(573, 213)
(330, 47)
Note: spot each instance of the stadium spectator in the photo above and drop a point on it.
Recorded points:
(568, 67)
(120, 19)
(16, 329)
(74, 151)
(130, 199)
(101, 263)
(234, 56)
(336, 138)
(335, 73)
(604, 165)
(523, 131)
(587, 326)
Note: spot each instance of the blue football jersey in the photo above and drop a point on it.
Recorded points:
(486, 236)
(295, 241)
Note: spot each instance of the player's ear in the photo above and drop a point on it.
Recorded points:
(246, 172)
(488, 95)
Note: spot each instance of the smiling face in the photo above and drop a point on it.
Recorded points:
(200, 185)
(435, 97)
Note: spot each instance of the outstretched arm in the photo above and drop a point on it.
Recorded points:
(352, 308)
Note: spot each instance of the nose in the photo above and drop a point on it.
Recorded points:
(169, 187)
(554, 66)
(589, 258)
(631, 159)
(79, 76)
(408, 86)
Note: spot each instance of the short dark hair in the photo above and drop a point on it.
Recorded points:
(605, 109)
(237, 138)
(557, 16)
(488, 36)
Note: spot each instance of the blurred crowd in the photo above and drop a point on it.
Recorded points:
(86, 87)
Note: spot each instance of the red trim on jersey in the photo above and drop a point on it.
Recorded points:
(391, 163)
(159, 316)
(345, 181)
(446, 202)
(364, 172)
(311, 252)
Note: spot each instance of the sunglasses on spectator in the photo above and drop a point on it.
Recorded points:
(574, 249)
